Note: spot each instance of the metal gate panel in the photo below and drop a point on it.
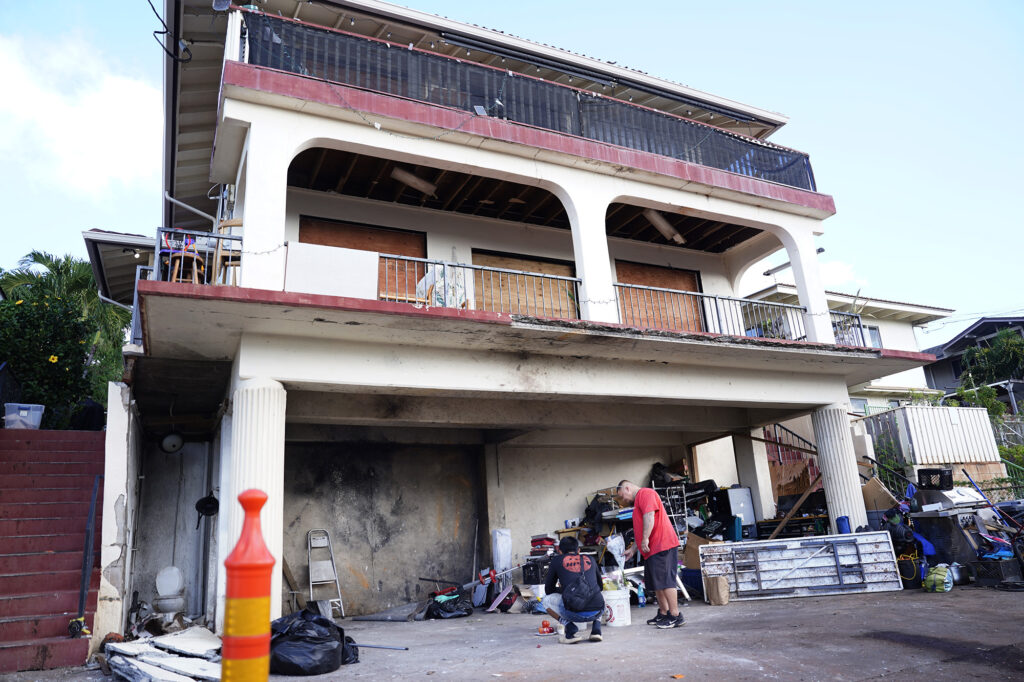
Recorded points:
(804, 567)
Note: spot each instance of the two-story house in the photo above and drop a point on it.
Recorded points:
(421, 280)
(945, 373)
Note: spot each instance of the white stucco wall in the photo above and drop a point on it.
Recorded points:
(898, 335)
(716, 461)
(537, 481)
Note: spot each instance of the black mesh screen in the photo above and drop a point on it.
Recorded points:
(365, 63)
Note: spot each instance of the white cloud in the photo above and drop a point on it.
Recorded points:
(837, 275)
(71, 124)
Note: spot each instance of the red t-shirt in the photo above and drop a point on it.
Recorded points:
(663, 536)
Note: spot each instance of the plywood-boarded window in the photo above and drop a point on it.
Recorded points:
(396, 278)
(524, 294)
(654, 308)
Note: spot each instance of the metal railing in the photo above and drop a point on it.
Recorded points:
(425, 282)
(788, 447)
(197, 257)
(848, 328)
(373, 64)
(142, 272)
(672, 310)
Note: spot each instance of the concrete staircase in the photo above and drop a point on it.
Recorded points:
(46, 480)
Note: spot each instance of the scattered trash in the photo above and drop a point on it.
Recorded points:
(306, 643)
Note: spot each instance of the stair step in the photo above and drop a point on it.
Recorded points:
(29, 510)
(39, 437)
(52, 455)
(47, 495)
(27, 481)
(22, 628)
(31, 544)
(26, 583)
(40, 562)
(44, 468)
(46, 526)
(45, 654)
(44, 603)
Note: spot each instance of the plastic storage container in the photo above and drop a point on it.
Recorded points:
(935, 479)
(616, 608)
(22, 415)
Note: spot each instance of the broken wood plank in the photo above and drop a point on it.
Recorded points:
(134, 670)
(796, 507)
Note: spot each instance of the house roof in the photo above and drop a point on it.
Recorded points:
(877, 308)
(114, 257)
(984, 328)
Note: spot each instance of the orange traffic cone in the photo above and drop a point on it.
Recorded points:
(245, 649)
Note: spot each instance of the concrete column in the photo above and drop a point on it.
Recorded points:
(265, 184)
(753, 472)
(255, 460)
(803, 258)
(586, 209)
(838, 465)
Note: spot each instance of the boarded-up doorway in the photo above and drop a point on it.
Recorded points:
(659, 302)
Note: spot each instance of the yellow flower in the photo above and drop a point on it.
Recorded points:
(19, 301)
(53, 358)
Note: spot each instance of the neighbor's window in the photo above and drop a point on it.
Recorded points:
(874, 339)
(859, 405)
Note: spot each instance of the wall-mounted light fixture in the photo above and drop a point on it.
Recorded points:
(779, 268)
(667, 230)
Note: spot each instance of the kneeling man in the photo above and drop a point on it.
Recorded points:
(579, 598)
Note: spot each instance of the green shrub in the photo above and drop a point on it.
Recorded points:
(45, 343)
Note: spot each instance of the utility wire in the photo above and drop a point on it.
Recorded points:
(156, 36)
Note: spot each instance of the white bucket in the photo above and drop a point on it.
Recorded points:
(616, 608)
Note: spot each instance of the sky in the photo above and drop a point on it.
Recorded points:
(908, 110)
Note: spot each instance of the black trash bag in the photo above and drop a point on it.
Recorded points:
(349, 651)
(450, 608)
(306, 643)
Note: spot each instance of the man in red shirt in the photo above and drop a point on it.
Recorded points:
(659, 546)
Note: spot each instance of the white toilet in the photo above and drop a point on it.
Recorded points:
(170, 589)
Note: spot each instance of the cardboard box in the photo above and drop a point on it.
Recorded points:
(691, 555)
(876, 497)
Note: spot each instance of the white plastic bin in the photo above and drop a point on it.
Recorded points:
(22, 415)
(616, 608)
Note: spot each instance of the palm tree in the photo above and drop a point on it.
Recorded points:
(67, 278)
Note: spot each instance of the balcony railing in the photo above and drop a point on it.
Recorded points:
(668, 309)
(457, 285)
(141, 272)
(198, 257)
(848, 328)
(371, 64)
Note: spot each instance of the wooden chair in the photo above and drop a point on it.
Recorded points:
(187, 265)
(227, 260)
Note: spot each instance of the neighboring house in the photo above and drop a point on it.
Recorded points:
(450, 281)
(884, 324)
(944, 374)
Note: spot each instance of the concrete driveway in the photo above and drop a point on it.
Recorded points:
(968, 634)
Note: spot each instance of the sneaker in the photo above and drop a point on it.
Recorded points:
(596, 637)
(657, 619)
(671, 622)
(573, 639)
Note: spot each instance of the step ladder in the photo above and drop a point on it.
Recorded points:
(322, 571)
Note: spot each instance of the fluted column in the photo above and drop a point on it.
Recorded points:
(838, 464)
(257, 461)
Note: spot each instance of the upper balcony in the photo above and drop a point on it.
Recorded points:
(409, 73)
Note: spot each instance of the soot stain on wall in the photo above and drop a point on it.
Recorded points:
(394, 512)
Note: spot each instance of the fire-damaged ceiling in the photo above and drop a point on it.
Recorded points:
(371, 177)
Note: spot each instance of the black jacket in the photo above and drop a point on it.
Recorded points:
(566, 569)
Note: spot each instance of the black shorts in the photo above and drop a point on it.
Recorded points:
(660, 570)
